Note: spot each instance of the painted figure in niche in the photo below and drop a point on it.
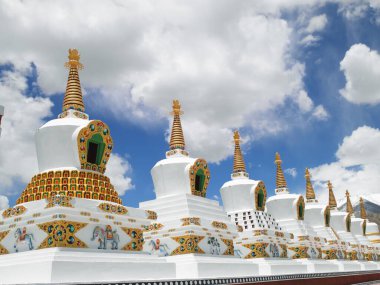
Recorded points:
(105, 235)
(23, 238)
(340, 254)
(313, 253)
(214, 245)
(237, 252)
(158, 248)
(274, 250)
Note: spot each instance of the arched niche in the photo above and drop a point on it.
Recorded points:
(300, 208)
(260, 196)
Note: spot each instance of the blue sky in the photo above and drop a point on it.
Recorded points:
(274, 71)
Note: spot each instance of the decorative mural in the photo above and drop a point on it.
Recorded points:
(106, 236)
(23, 239)
(12, 212)
(114, 209)
(199, 177)
(137, 239)
(94, 146)
(230, 246)
(257, 250)
(58, 200)
(3, 250)
(62, 234)
(151, 215)
(191, 221)
(188, 244)
(219, 225)
(159, 248)
(214, 245)
(299, 252)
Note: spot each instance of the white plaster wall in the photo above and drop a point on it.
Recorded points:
(171, 176)
(357, 226)
(338, 220)
(56, 144)
(314, 214)
(283, 206)
(239, 195)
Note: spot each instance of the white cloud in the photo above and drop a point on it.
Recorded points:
(291, 171)
(138, 56)
(317, 23)
(118, 170)
(357, 167)
(23, 116)
(320, 113)
(361, 67)
(4, 202)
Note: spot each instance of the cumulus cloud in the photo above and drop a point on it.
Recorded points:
(317, 23)
(138, 56)
(118, 169)
(357, 166)
(291, 171)
(4, 202)
(361, 67)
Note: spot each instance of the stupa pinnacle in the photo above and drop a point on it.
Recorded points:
(280, 178)
(349, 208)
(310, 194)
(363, 213)
(332, 200)
(239, 165)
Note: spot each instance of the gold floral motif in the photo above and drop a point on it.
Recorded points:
(230, 246)
(62, 234)
(154, 226)
(260, 187)
(15, 211)
(260, 232)
(3, 250)
(284, 252)
(352, 255)
(300, 252)
(239, 228)
(137, 240)
(199, 165)
(69, 183)
(303, 238)
(95, 127)
(191, 221)
(257, 250)
(188, 244)
(60, 201)
(151, 215)
(279, 234)
(330, 254)
(219, 225)
(114, 209)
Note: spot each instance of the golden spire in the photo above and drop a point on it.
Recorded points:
(239, 165)
(363, 213)
(177, 140)
(73, 97)
(349, 208)
(332, 201)
(280, 179)
(310, 194)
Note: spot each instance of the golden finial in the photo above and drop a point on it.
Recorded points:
(239, 165)
(73, 97)
(280, 178)
(349, 208)
(332, 200)
(310, 194)
(177, 140)
(363, 213)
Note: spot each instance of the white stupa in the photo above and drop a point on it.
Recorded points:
(69, 224)
(194, 231)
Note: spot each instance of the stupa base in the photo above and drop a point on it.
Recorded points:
(62, 265)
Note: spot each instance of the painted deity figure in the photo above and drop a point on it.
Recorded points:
(274, 250)
(214, 245)
(104, 235)
(158, 248)
(23, 238)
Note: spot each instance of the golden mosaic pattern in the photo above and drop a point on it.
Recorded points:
(300, 252)
(187, 244)
(62, 234)
(71, 183)
(95, 127)
(219, 225)
(154, 227)
(257, 250)
(352, 255)
(60, 201)
(114, 209)
(151, 215)
(137, 240)
(199, 164)
(3, 250)
(330, 254)
(15, 211)
(230, 246)
(191, 221)
(284, 252)
(260, 187)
